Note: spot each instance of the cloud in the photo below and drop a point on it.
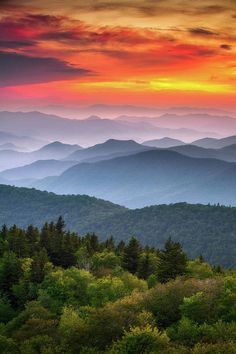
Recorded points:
(85, 35)
(43, 20)
(16, 69)
(212, 9)
(16, 44)
(226, 46)
(200, 31)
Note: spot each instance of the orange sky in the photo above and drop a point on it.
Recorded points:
(143, 52)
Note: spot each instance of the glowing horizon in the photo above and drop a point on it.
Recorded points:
(118, 52)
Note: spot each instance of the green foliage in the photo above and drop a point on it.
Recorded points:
(8, 346)
(141, 341)
(65, 294)
(222, 348)
(199, 269)
(105, 259)
(65, 287)
(40, 344)
(6, 310)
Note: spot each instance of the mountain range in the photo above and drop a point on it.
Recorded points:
(202, 229)
(221, 124)
(129, 173)
(227, 153)
(149, 177)
(19, 142)
(108, 149)
(56, 150)
(90, 131)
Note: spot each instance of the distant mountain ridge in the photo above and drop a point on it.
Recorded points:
(211, 143)
(150, 177)
(55, 150)
(88, 132)
(108, 148)
(38, 169)
(226, 153)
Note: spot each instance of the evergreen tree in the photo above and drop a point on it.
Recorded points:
(131, 255)
(144, 267)
(173, 261)
(32, 237)
(4, 232)
(120, 248)
(109, 244)
(60, 225)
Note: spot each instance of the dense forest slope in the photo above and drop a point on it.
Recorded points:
(202, 229)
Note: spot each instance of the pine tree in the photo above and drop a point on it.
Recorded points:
(131, 255)
(120, 248)
(173, 262)
(60, 225)
(144, 266)
(32, 237)
(4, 232)
(109, 244)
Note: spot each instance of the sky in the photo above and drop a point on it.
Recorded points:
(140, 52)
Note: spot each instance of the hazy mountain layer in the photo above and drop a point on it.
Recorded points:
(38, 169)
(227, 153)
(55, 150)
(151, 177)
(91, 131)
(110, 148)
(211, 143)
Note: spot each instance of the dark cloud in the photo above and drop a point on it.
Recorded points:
(17, 69)
(200, 31)
(43, 20)
(16, 44)
(226, 46)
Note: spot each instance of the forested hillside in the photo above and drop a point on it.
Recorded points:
(61, 293)
(202, 229)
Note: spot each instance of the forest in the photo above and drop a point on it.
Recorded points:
(197, 227)
(61, 293)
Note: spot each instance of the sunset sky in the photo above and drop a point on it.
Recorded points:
(142, 52)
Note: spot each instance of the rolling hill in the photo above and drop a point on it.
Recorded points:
(202, 229)
(150, 177)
